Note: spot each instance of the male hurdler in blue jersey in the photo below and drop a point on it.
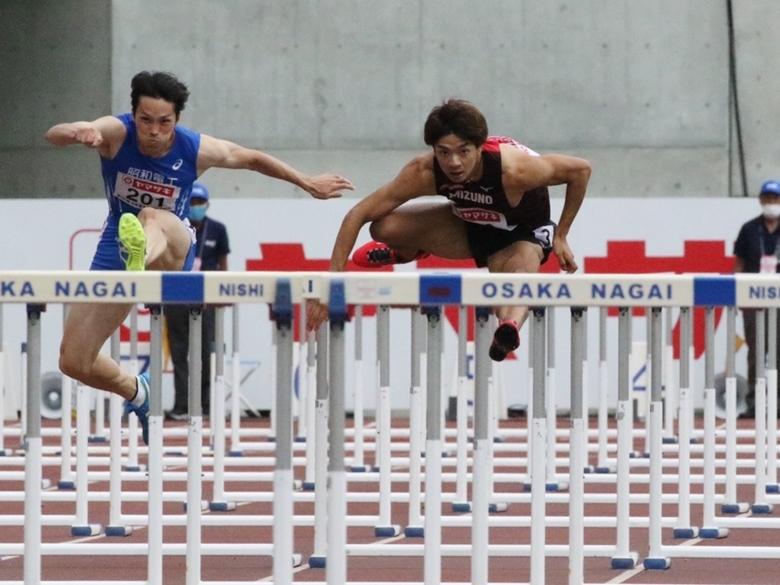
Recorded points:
(149, 164)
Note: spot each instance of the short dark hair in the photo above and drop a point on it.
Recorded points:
(457, 117)
(159, 84)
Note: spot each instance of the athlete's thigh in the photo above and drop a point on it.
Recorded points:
(178, 240)
(431, 226)
(89, 325)
(520, 257)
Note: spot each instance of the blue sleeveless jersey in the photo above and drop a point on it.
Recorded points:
(133, 181)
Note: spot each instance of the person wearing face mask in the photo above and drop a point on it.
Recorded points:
(211, 251)
(757, 249)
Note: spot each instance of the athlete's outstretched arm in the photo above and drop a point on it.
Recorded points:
(103, 134)
(228, 155)
(524, 172)
(414, 180)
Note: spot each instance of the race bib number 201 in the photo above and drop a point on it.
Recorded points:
(140, 193)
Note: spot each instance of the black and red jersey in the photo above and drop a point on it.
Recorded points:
(484, 201)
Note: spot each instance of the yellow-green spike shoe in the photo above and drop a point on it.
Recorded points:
(133, 241)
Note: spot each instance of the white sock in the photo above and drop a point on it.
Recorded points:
(140, 393)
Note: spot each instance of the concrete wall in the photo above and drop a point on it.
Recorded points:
(640, 89)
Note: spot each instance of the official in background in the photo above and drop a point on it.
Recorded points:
(211, 251)
(757, 249)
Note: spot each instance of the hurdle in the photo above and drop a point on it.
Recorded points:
(472, 290)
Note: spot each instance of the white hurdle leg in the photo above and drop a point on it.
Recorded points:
(578, 448)
(551, 406)
(320, 443)
(155, 461)
(194, 452)
(655, 559)
(760, 505)
(236, 449)
(131, 462)
(384, 527)
(358, 459)
(670, 392)
(415, 526)
(337, 476)
(603, 465)
(624, 558)
(284, 558)
(219, 501)
(303, 387)
(433, 450)
(81, 525)
(67, 480)
(481, 485)
(115, 525)
(33, 467)
(586, 466)
(312, 406)
(771, 403)
(461, 503)
(683, 529)
(538, 468)
(730, 504)
(709, 528)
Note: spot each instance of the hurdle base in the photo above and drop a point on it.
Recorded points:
(639, 455)
(66, 484)
(97, 439)
(773, 489)
(235, 453)
(359, 468)
(307, 486)
(222, 506)
(297, 559)
(761, 509)
(734, 508)
(45, 484)
(624, 563)
(414, 532)
(173, 453)
(118, 530)
(686, 533)
(657, 563)
(204, 506)
(713, 532)
(317, 562)
(669, 440)
(4, 452)
(387, 531)
(461, 507)
(589, 469)
(498, 507)
(551, 486)
(299, 439)
(86, 530)
(135, 467)
(605, 469)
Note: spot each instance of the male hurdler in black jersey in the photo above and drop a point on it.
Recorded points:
(498, 209)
